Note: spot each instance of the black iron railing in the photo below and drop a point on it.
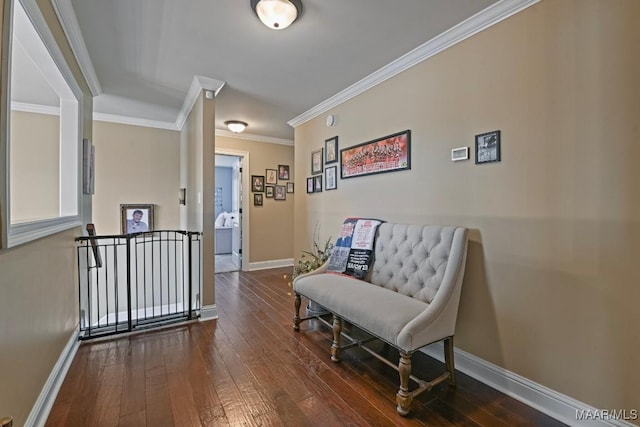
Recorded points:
(134, 281)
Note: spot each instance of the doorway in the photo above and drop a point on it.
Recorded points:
(229, 230)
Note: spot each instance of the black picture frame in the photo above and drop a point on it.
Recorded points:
(281, 193)
(488, 147)
(390, 153)
(331, 178)
(310, 187)
(289, 187)
(316, 162)
(317, 184)
(257, 183)
(331, 150)
(283, 172)
(271, 176)
(268, 191)
(258, 199)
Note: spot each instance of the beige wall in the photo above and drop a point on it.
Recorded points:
(198, 142)
(35, 169)
(551, 287)
(38, 290)
(135, 164)
(270, 225)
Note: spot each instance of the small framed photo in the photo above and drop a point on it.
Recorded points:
(283, 172)
(331, 150)
(257, 183)
(289, 187)
(458, 154)
(330, 181)
(317, 184)
(310, 185)
(257, 199)
(268, 191)
(272, 177)
(488, 147)
(316, 162)
(136, 218)
(281, 192)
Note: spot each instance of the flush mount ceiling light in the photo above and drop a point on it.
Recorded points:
(236, 126)
(277, 14)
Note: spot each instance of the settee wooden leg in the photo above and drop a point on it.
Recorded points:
(448, 360)
(296, 315)
(337, 330)
(403, 397)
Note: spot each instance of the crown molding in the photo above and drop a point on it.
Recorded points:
(25, 107)
(484, 19)
(135, 121)
(198, 84)
(252, 137)
(69, 22)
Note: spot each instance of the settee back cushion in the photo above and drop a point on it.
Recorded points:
(411, 259)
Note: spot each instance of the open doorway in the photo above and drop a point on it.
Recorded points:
(228, 213)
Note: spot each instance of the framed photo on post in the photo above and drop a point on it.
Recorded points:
(136, 218)
(330, 178)
(316, 162)
(390, 153)
(272, 176)
(310, 185)
(488, 147)
(257, 183)
(331, 150)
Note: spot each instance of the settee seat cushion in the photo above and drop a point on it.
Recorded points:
(375, 309)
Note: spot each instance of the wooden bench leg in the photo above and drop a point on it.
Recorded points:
(296, 315)
(448, 360)
(337, 330)
(403, 397)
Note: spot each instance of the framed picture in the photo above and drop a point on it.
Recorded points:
(387, 154)
(283, 172)
(331, 150)
(330, 181)
(289, 187)
(281, 192)
(257, 199)
(316, 162)
(136, 218)
(272, 176)
(310, 184)
(257, 183)
(488, 147)
(268, 191)
(317, 184)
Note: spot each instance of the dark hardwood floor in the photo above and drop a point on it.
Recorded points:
(250, 368)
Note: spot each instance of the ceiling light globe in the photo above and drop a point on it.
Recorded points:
(235, 126)
(276, 14)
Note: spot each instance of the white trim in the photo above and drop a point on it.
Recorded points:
(26, 232)
(480, 21)
(40, 411)
(557, 405)
(252, 137)
(198, 84)
(208, 312)
(71, 28)
(35, 108)
(263, 265)
(126, 120)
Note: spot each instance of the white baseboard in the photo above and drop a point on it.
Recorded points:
(263, 265)
(557, 405)
(208, 312)
(40, 411)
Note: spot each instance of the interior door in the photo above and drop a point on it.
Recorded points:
(236, 233)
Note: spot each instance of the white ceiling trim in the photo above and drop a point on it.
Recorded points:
(25, 107)
(126, 120)
(252, 137)
(69, 22)
(198, 84)
(484, 19)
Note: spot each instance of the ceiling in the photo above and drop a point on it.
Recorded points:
(145, 53)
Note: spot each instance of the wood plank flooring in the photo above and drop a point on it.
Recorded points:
(249, 368)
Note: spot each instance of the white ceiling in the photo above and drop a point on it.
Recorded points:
(146, 52)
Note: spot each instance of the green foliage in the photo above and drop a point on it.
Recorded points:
(311, 260)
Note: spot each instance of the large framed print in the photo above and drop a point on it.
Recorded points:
(387, 154)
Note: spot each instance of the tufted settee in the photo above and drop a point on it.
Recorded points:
(408, 300)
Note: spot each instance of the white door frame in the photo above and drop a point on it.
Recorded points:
(245, 201)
